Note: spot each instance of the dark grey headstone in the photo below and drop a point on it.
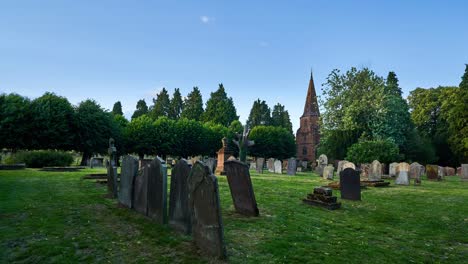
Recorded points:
(127, 175)
(207, 226)
(157, 190)
(350, 186)
(179, 213)
(140, 191)
(260, 163)
(292, 166)
(211, 163)
(240, 184)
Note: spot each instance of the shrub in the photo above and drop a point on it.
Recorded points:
(43, 158)
(368, 150)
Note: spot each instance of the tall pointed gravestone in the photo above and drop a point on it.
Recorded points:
(260, 163)
(179, 213)
(240, 184)
(157, 190)
(112, 176)
(350, 185)
(127, 175)
(207, 226)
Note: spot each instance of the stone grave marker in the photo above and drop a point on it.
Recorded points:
(415, 173)
(140, 191)
(449, 171)
(278, 167)
(375, 171)
(207, 226)
(292, 166)
(128, 173)
(271, 165)
(322, 162)
(211, 163)
(339, 167)
(459, 171)
(112, 176)
(392, 169)
(304, 165)
(350, 185)
(432, 172)
(403, 177)
(328, 172)
(240, 184)
(348, 164)
(365, 171)
(253, 166)
(464, 172)
(179, 213)
(157, 190)
(260, 162)
(440, 172)
(322, 197)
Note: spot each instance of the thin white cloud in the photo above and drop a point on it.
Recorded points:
(206, 19)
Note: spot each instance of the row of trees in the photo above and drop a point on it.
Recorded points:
(261, 115)
(365, 112)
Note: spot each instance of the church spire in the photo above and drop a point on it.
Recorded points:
(311, 105)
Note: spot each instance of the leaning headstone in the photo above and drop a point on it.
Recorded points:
(278, 167)
(157, 190)
(403, 177)
(432, 172)
(211, 163)
(179, 213)
(240, 184)
(375, 173)
(260, 163)
(292, 166)
(328, 172)
(207, 226)
(392, 169)
(127, 175)
(271, 165)
(350, 185)
(140, 191)
(464, 172)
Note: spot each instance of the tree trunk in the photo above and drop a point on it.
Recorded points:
(85, 158)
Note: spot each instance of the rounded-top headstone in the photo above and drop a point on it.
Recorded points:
(348, 164)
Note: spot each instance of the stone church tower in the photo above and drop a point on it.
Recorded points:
(307, 136)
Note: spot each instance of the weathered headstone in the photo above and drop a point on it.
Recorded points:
(339, 167)
(328, 172)
(179, 213)
(96, 162)
(207, 226)
(304, 165)
(348, 164)
(322, 162)
(432, 172)
(403, 177)
(157, 190)
(350, 185)
(415, 173)
(449, 171)
(459, 171)
(292, 166)
(375, 171)
(278, 167)
(464, 172)
(271, 165)
(127, 175)
(240, 184)
(392, 169)
(365, 171)
(140, 191)
(211, 163)
(440, 172)
(260, 163)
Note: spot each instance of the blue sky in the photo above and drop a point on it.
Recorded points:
(128, 50)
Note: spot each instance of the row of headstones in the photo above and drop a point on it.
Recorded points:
(276, 166)
(194, 206)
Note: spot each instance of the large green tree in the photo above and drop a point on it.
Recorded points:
(140, 136)
(193, 105)
(176, 105)
(272, 142)
(15, 121)
(280, 117)
(188, 138)
(220, 108)
(260, 114)
(141, 109)
(117, 108)
(161, 105)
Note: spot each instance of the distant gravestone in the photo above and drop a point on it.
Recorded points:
(350, 185)
(292, 166)
(260, 163)
(322, 162)
(339, 167)
(140, 191)
(157, 190)
(304, 165)
(440, 172)
(392, 169)
(127, 175)
(432, 172)
(240, 184)
(415, 173)
(271, 165)
(459, 171)
(403, 177)
(207, 226)
(328, 172)
(375, 171)
(211, 163)
(179, 213)
(449, 171)
(348, 164)
(253, 166)
(365, 171)
(278, 167)
(464, 172)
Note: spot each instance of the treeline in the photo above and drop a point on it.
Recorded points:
(367, 118)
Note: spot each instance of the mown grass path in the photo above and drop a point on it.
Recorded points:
(58, 217)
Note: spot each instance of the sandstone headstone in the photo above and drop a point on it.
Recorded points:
(403, 177)
(278, 167)
(127, 175)
(207, 226)
(240, 184)
(271, 165)
(432, 172)
(464, 172)
(392, 169)
(223, 154)
(179, 213)
(292, 166)
(328, 172)
(157, 190)
(365, 171)
(415, 172)
(350, 185)
(260, 163)
(449, 171)
(375, 171)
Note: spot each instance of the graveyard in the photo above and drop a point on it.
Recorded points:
(61, 217)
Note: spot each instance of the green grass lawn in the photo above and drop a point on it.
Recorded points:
(58, 217)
